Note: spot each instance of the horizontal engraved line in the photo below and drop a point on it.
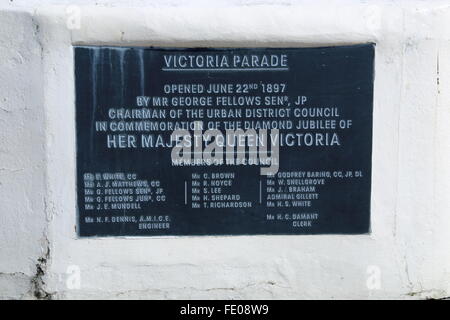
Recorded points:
(225, 69)
(243, 152)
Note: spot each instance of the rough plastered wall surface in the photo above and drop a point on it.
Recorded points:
(405, 256)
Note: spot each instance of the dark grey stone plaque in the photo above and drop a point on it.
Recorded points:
(315, 102)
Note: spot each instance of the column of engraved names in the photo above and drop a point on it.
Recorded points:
(294, 189)
(215, 191)
(120, 191)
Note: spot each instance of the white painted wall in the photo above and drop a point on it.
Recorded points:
(410, 240)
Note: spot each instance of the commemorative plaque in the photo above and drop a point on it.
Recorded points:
(209, 141)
